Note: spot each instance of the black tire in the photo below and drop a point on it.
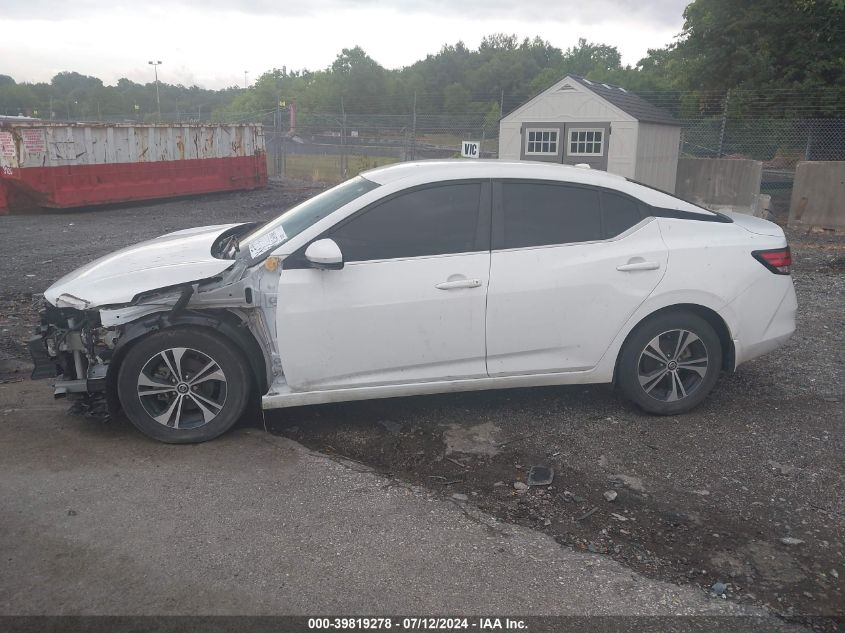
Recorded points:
(679, 381)
(207, 403)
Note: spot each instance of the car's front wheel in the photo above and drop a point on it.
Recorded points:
(670, 363)
(183, 385)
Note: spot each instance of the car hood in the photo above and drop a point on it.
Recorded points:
(169, 260)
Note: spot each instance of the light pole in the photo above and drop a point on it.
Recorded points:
(155, 66)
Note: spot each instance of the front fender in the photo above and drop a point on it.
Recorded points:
(220, 321)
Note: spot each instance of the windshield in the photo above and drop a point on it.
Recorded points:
(293, 221)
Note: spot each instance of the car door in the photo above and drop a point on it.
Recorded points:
(570, 264)
(408, 305)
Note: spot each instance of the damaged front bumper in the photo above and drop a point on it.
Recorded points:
(72, 347)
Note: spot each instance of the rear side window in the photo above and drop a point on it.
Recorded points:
(432, 221)
(541, 214)
(620, 213)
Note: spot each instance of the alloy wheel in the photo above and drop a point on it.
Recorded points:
(672, 365)
(182, 388)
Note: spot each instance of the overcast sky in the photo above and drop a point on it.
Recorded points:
(212, 42)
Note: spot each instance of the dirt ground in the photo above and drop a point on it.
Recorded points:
(747, 491)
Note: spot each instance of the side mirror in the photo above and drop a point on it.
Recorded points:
(325, 255)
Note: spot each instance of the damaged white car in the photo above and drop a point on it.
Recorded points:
(422, 278)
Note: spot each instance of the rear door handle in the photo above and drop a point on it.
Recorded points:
(459, 283)
(640, 265)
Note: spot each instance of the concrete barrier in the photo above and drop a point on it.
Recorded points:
(721, 184)
(818, 196)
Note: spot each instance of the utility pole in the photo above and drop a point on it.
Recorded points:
(246, 82)
(155, 66)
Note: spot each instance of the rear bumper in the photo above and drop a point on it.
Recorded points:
(761, 333)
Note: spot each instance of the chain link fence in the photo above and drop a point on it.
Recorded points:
(333, 146)
(779, 143)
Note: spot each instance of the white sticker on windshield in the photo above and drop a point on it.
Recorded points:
(262, 243)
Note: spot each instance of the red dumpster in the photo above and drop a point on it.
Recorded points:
(69, 165)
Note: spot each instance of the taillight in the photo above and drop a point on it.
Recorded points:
(778, 260)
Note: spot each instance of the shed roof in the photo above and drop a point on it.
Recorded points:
(628, 102)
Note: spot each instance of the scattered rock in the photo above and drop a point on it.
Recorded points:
(540, 476)
(634, 483)
(618, 517)
(834, 573)
(520, 486)
(499, 484)
(701, 493)
(71, 513)
(588, 513)
(791, 540)
(460, 497)
(782, 469)
(610, 495)
(718, 588)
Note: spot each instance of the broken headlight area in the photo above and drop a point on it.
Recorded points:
(73, 347)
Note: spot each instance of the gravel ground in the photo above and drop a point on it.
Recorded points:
(703, 498)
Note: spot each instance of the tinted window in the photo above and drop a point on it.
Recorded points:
(620, 213)
(293, 221)
(541, 214)
(431, 221)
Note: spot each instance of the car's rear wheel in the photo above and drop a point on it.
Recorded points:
(670, 363)
(183, 385)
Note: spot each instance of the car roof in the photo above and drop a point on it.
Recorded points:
(428, 171)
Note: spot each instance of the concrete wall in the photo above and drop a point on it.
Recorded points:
(721, 183)
(818, 195)
(657, 155)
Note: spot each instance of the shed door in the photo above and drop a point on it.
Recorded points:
(586, 143)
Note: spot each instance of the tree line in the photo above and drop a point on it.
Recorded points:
(762, 57)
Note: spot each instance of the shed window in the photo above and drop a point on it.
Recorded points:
(539, 141)
(585, 142)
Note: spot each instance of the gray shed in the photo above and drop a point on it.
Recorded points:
(605, 126)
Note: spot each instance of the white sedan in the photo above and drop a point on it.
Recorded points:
(423, 278)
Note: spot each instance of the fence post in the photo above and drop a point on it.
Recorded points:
(414, 130)
(278, 143)
(343, 166)
(724, 122)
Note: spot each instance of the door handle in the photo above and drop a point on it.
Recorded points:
(459, 283)
(640, 265)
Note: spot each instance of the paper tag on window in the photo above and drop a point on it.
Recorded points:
(260, 244)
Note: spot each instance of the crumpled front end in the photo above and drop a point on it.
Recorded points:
(73, 347)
